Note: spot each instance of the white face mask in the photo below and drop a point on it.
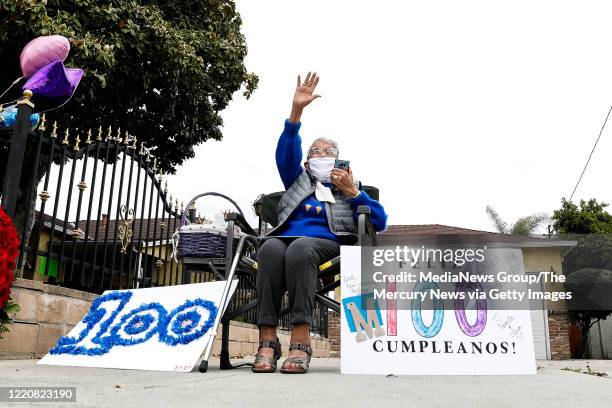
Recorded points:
(321, 167)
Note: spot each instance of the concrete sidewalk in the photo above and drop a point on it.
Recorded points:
(324, 386)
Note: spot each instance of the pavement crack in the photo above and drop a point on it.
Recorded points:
(187, 382)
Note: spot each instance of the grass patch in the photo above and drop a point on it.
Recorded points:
(588, 371)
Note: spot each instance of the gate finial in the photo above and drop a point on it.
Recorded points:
(43, 120)
(66, 135)
(54, 131)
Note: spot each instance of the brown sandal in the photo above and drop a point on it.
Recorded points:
(271, 361)
(303, 362)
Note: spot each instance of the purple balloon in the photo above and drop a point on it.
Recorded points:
(54, 83)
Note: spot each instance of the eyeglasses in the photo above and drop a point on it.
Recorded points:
(318, 151)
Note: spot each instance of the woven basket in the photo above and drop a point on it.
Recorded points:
(203, 240)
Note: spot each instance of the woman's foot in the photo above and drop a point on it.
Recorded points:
(299, 335)
(266, 333)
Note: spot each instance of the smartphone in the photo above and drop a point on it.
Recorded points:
(342, 164)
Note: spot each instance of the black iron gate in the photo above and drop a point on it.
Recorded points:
(92, 207)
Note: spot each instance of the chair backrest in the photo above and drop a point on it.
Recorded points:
(269, 204)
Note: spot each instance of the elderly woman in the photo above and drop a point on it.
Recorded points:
(316, 215)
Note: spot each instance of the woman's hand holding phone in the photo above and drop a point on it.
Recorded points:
(343, 179)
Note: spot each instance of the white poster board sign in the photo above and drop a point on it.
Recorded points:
(164, 328)
(429, 342)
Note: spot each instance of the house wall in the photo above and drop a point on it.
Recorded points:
(546, 259)
(161, 274)
(162, 252)
(549, 259)
(42, 248)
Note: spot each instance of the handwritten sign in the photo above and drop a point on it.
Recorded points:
(378, 338)
(165, 329)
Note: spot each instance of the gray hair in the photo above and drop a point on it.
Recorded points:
(326, 140)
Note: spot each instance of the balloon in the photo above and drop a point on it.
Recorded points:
(54, 83)
(41, 51)
(8, 117)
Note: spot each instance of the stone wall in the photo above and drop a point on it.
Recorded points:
(49, 312)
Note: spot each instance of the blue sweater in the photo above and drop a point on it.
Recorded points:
(310, 218)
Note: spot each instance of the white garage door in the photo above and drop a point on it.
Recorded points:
(540, 335)
(540, 343)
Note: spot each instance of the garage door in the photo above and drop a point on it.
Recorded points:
(540, 337)
(540, 344)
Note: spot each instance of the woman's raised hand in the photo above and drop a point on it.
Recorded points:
(304, 91)
(304, 94)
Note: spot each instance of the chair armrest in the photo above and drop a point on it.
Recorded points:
(365, 230)
(241, 222)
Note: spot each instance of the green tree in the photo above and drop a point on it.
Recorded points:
(588, 265)
(162, 70)
(524, 226)
(590, 218)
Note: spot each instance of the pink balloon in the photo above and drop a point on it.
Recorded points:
(41, 51)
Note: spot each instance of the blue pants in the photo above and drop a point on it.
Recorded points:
(290, 264)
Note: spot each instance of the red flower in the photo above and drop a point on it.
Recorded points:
(9, 249)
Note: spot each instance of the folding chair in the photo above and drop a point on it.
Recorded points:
(244, 264)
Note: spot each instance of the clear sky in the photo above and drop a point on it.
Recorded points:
(446, 106)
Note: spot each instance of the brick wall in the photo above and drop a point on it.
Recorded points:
(558, 328)
(333, 332)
